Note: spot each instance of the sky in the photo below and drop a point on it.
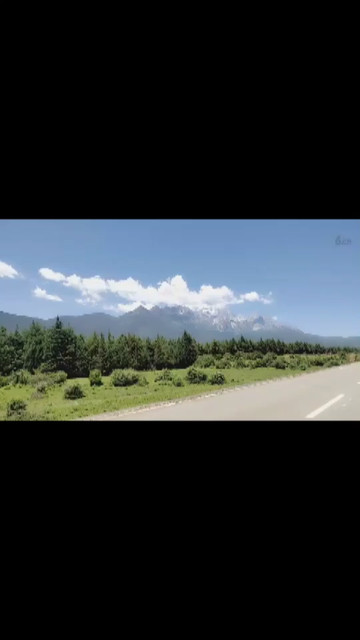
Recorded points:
(304, 273)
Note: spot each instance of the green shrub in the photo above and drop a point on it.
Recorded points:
(280, 363)
(59, 377)
(74, 392)
(239, 362)
(194, 376)
(332, 362)
(4, 381)
(269, 360)
(41, 387)
(217, 378)
(95, 378)
(164, 376)
(178, 382)
(143, 381)
(20, 377)
(124, 378)
(205, 361)
(294, 363)
(51, 378)
(16, 408)
(317, 361)
(256, 364)
(226, 362)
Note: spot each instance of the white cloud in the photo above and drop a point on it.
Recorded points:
(41, 293)
(49, 274)
(256, 297)
(173, 291)
(250, 297)
(7, 271)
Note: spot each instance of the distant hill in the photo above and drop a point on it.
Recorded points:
(171, 322)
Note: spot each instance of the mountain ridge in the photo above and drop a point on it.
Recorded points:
(171, 321)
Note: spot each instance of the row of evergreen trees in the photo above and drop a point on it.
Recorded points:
(59, 348)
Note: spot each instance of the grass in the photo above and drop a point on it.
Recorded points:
(107, 398)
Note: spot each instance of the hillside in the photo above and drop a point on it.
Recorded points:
(170, 322)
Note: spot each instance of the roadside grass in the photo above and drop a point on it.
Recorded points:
(107, 398)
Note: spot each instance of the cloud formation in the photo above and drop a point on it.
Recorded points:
(7, 271)
(173, 291)
(49, 274)
(41, 293)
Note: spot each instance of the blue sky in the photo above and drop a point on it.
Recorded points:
(291, 269)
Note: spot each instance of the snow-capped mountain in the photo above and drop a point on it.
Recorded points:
(224, 320)
(204, 325)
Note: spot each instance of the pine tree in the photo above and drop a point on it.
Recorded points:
(55, 347)
(103, 356)
(110, 354)
(34, 345)
(187, 350)
(6, 353)
(82, 358)
(93, 351)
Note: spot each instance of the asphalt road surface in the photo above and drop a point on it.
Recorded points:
(331, 394)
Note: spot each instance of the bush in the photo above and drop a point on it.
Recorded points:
(95, 378)
(16, 408)
(178, 382)
(294, 363)
(280, 363)
(194, 376)
(124, 378)
(20, 377)
(269, 360)
(205, 361)
(74, 392)
(317, 361)
(332, 362)
(50, 378)
(4, 381)
(226, 362)
(59, 377)
(256, 364)
(217, 378)
(164, 376)
(143, 381)
(41, 387)
(240, 363)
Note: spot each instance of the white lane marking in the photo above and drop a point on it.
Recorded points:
(325, 406)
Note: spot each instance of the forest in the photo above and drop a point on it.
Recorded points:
(59, 348)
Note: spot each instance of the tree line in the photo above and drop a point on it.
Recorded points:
(61, 349)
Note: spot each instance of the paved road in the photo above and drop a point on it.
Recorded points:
(332, 394)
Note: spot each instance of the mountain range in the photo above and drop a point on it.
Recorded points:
(170, 322)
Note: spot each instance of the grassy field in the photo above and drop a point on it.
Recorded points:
(53, 406)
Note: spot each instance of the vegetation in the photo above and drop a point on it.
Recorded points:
(74, 392)
(195, 376)
(52, 405)
(95, 378)
(217, 378)
(124, 378)
(129, 371)
(16, 408)
(39, 350)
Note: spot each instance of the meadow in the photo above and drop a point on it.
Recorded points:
(47, 402)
